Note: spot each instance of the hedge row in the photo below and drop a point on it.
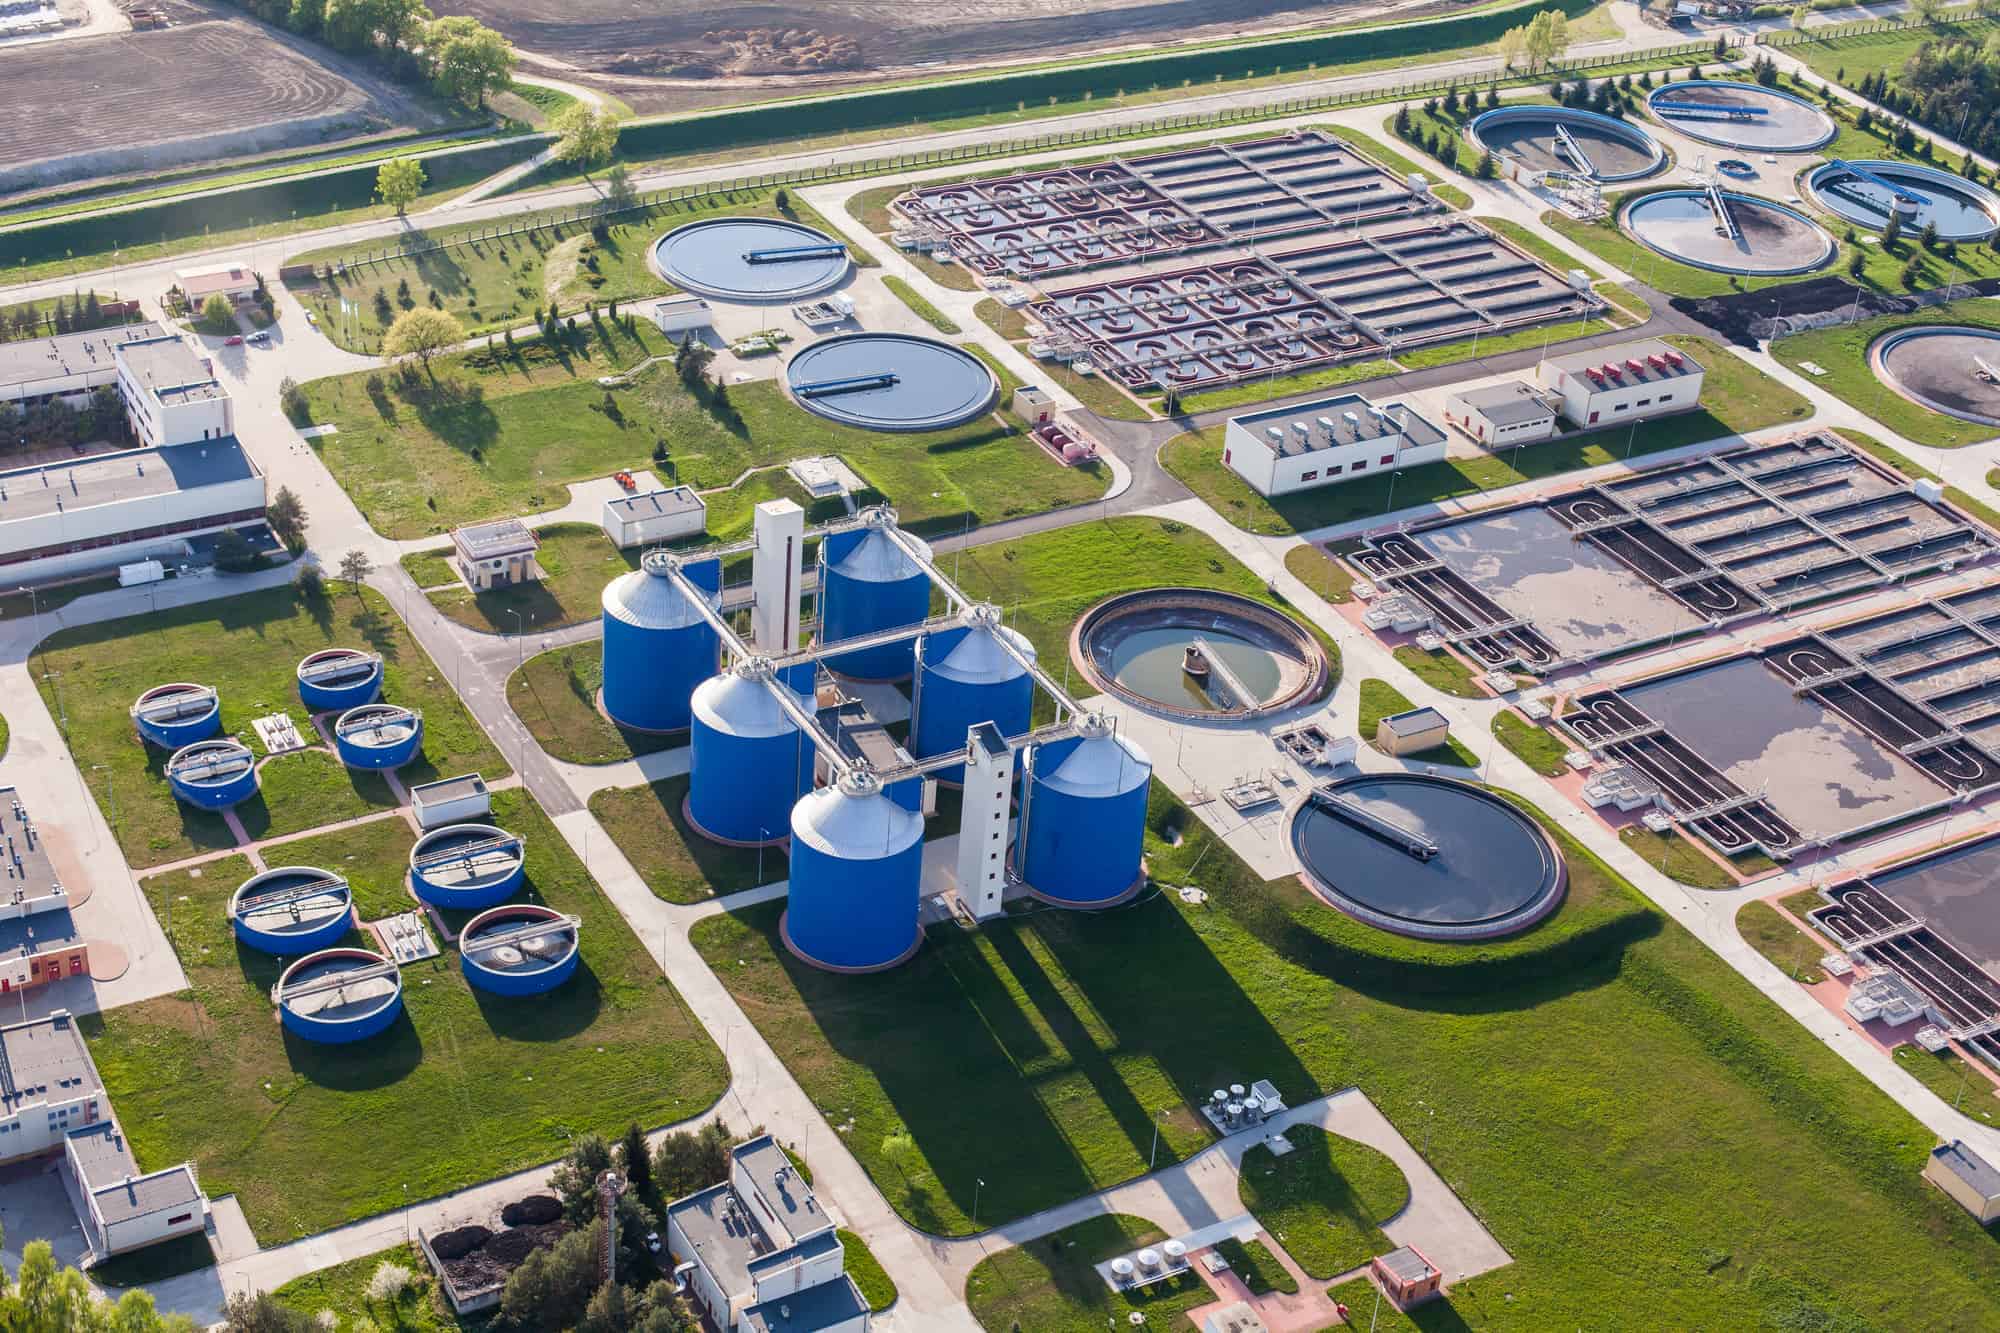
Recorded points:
(246, 206)
(779, 121)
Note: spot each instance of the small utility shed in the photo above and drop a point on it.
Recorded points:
(460, 800)
(1966, 1177)
(655, 516)
(1501, 415)
(682, 314)
(1412, 732)
(1407, 1276)
(495, 555)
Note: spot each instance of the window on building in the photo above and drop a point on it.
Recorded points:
(1644, 402)
(1333, 472)
(1620, 407)
(1361, 466)
(1387, 459)
(1309, 476)
(1666, 398)
(179, 1218)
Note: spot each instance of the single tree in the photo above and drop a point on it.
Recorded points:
(469, 61)
(635, 1159)
(356, 566)
(287, 517)
(1857, 263)
(216, 312)
(399, 181)
(585, 135)
(421, 333)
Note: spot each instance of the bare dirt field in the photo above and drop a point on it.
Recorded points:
(683, 53)
(209, 87)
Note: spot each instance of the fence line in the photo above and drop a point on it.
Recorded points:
(673, 197)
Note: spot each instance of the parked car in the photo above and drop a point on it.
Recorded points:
(233, 340)
(260, 337)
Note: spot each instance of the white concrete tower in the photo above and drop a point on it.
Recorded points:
(982, 827)
(779, 529)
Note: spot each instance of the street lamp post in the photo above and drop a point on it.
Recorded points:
(977, 1185)
(520, 639)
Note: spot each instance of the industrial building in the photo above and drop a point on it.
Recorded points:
(495, 555)
(1501, 415)
(171, 393)
(781, 740)
(1412, 732)
(682, 315)
(1629, 382)
(1328, 440)
(60, 520)
(233, 281)
(652, 517)
(758, 1252)
(66, 367)
(1967, 1177)
(39, 942)
(52, 1101)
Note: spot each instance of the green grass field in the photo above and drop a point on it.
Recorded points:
(373, 857)
(1843, 351)
(877, 1287)
(1050, 1286)
(1439, 670)
(1677, 858)
(1537, 747)
(1848, 59)
(248, 647)
(1664, 1148)
(555, 696)
(576, 560)
(1314, 567)
(497, 435)
(343, 1290)
(1738, 398)
(1780, 941)
(467, 1087)
(1325, 1201)
(920, 306)
(678, 864)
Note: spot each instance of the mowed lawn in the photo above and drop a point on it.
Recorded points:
(1842, 351)
(1655, 1143)
(576, 561)
(1736, 397)
(248, 647)
(555, 696)
(464, 1088)
(678, 864)
(495, 436)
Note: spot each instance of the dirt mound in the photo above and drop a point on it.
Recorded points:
(510, 1247)
(536, 1208)
(459, 1242)
(1745, 318)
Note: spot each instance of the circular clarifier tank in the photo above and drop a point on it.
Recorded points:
(334, 680)
(467, 867)
(178, 714)
(1427, 857)
(213, 774)
(1759, 236)
(1741, 115)
(1869, 193)
(378, 735)
(292, 910)
(1554, 138)
(1948, 368)
(891, 381)
(1191, 652)
(750, 259)
(339, 995)
(519, 949)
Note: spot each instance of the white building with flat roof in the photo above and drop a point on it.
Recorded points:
(59, 520)
(1284, 449)
(171, 393)
(65, 367)
(654, 516)
(231, 279)
(1630, 382)
(1501, 415)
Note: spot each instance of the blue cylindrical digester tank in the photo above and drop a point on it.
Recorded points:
(334, 680)
(964, 678)
(182, 713)
(519, 949)
(657, 644)
(468, 867)
(857, 876)
(749, 761)
(869, 582)
(1082, 833)
(339, 995)
(213, 775)
(292, 910)
(378, 736)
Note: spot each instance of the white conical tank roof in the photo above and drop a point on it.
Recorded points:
(648, 599)
(1102, 764)
(740, 703)
(978, 658)
(878, 558)
(855, 821)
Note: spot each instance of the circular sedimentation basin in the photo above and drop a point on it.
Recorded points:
(1948, 368)
(891, 381)
(1540, 139)
(1137, 647)
(750, 260)
(1868, 193)
(1741, 115)
(1769, 238)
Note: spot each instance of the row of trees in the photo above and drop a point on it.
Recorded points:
(55, 424)
(78, 315)
(1536, 44)
(1951, 85)
(459, 58)
(46, 1298)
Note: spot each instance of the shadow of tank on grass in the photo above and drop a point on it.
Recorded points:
(554, 1015)
(389, 1057)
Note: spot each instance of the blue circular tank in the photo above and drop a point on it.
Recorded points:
(292, 910)
(968, 678)
(749, 762)
(213, 775)
(869, 582)
(657, 645)
(857, 875)
(339, 995)
(467, 867)
(334, 680)
(1083, 820)
(171, 716)
(378, 736)
(518, 949)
